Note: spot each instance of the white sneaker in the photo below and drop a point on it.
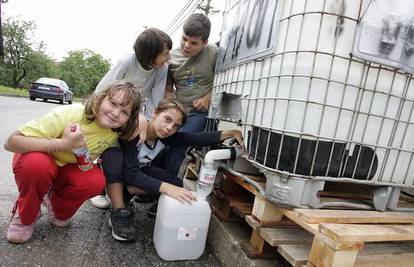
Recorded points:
(101, 201)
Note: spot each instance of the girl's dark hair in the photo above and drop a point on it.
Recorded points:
(131, 95)
(149, 44)
(169, 103)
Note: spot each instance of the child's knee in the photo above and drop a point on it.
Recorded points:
(35, 164)
(97, 185)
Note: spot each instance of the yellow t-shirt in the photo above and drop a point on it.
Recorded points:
(53, 124)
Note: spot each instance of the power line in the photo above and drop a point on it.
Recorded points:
(189, 8)
(174, 20)
(183, 18)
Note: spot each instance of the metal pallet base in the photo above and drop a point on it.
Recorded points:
(290, 191)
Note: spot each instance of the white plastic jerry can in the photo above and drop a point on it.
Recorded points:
(180, 230)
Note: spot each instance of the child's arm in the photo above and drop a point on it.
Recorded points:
(132, 175)
(202, 138)
(20, 143)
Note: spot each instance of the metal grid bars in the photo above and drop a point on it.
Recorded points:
(312, 109)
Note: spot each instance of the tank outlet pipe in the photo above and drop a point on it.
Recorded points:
(218, 154)
(208, 170)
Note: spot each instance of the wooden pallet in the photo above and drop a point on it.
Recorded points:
(341, 237)
(326, 237)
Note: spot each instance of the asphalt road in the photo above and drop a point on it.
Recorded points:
(88, 241)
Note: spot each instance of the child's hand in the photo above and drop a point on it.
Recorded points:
(72, 136)
(179, 193)
(239, 137)
(201, 104)
(233, 134)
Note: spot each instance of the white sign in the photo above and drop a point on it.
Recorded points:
(385, 34)
(249, 31)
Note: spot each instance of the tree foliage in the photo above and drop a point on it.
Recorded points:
(82, 70)
(26, 61)
(17, 48)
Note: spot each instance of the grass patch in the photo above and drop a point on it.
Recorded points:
(12, 91)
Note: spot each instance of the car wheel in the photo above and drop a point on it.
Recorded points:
(62, 101)
(32, 98)
(70, 101)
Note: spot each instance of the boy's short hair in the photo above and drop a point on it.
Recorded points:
(199, 25)
(149, 44)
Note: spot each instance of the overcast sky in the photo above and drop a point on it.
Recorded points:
(106, 27)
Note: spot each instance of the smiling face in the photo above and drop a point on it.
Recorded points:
(113, 112)
(191, 45)
(161, 59)
(167, 122)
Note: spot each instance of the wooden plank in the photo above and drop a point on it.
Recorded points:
(247, 186)
(265, 211)
(257, 247)
(353, 216)
(386, 249)
(254, 224)
(242, 209)
(231, 188)
(279, 236)
(400, 260)
(322, 254)
(312, 228)
(253, 253)
(296, 255)
(368, 233)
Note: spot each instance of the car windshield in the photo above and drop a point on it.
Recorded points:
(50, 81)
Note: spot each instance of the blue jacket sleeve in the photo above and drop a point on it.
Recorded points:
(193, 139)
(131, 172)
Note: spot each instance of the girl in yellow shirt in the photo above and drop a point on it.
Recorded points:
(45, 167)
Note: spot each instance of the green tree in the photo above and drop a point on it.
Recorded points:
(24, 61)
(1, 32)
(82, 70)
(39, 65)
(17, 47)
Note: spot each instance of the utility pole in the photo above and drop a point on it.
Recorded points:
(207, 8)
(1, 36)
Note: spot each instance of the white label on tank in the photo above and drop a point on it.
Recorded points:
(187, 233)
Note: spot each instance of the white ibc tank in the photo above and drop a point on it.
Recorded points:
(310, 107)
(180, 230)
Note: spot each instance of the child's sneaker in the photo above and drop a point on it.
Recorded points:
(100, 201)
(19, 233)
(51, 215)
(152, 211)
(121, 225)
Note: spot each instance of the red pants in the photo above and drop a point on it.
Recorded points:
(36, 172)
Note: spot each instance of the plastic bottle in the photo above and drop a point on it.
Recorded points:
(206, 178)
(82, 156)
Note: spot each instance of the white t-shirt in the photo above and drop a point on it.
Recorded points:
(151, 81)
